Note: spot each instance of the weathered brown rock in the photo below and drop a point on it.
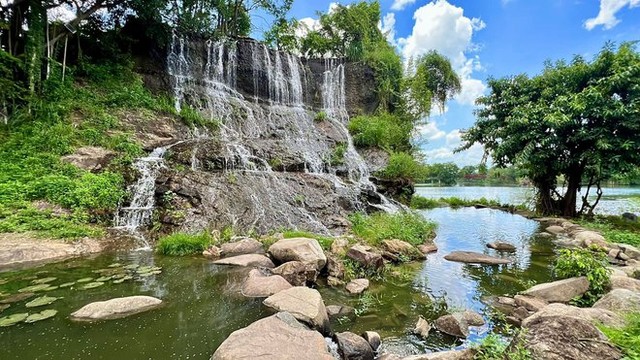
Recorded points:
(304, 304)
(501, 246)
(373, 338)
(338, 311)
(334, 281)
(20, 249)
(260, 285)
(592, 238)
(555, 229)
(560, 291)
(422, 328)
(254, 260)
(466, 354)
(115, 308)
(471, 257)
(242, 247)
(357, 286)
(299, 249)
(335, 267)
(428, 248)
(625, 282)
(402, 249)
(90, 158)
(354, 347)
(530, 303)
(454, 325)
(339, 246)
(278, 337)
(472, 318)
(620, 301)
(593, 315)
(297, 273)
(366, 258)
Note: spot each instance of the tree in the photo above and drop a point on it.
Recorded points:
(577, 120)
(444, 173)
(434, 80)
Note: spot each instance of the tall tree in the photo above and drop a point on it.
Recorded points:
(578, 120)
(434, 80)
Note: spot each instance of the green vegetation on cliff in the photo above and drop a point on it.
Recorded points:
(405, 226)
(181, 244)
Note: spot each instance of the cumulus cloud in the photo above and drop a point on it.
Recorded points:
(401, 4)
(444, 153)
(387, 26)
(308, 24)
(431, 132)
(607, 15)
(443, 27)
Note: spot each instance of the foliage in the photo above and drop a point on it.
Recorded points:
(626, 338)
(421, 202)
(181, 244)
(193, 118)
(324, 241)
(496, 347)
(615, 229)
(320, 116)
(403, 166)
(355, 270)
(445, 174)
(434, 79)
(282, 36)
(407, 226)
(591, 263)
(385, 131)
(579, 120)
(337, 156)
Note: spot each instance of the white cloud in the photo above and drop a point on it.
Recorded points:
(443, 27)
(607, 14)
(445, 153)
(387, 26)
(401, 4)
(431, 132)
(308, 24)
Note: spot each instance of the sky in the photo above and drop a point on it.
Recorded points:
(491, 38)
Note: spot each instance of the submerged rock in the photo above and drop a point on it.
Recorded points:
(259, 284)
(428, 248)
(373, 338)
(354, 347)
(255, 260)
(560, 291)
(299, 249)
(304, 304)
(338, 311)
(277, 337)
(501, 246)
(357, 286)
(454, 325)
(471, 257)
(116, 308)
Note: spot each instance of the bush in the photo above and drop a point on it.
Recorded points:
(385, 131)
(421, 202)
(320, 116)
(591, 263)
(403, 166)
(337, 156)
(496, 347)
(626, 338)
(181, 244)
(406, 226)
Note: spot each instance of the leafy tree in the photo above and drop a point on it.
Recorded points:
(579, 120)
(444, 173)
(434, 79)
(282, 35)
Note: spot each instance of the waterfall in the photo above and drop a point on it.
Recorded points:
(178, 67)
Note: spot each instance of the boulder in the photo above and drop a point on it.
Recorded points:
(530, 303)
(454, 325)
(559, 337)
(631, 251)
(590, 238)
(335, 267)
(402, 249)
(625, 282)
(357, 286)
(212, 252)
(299, 249)
(466, 354)
(90, 158)
(365, 257)
(338, 311)
(115, 308)
(560, 291)
(297, 273)
(472, 318)
(555, 229)
(304, 304)
(427, 248)
(260, 285)
(471, 257)
(373, 338)
(254, 260)
(242, 247)
(501, 246)
(422, 328)
(339, 246)
(620, 301)
(354, 347)
(278, 337)
(593, 315)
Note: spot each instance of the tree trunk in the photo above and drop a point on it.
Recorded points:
(568, 203)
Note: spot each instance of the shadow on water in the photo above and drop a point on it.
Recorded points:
(202, 306)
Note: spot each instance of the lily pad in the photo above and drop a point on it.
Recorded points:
(50, 288)
(44, 280)
(3, 281)
(85, 280)
(43, 315)
(12, 319)
(114, 265)
(120, 281)
(33, 288)
(4, 307)
(131, 267)
(41, 301)
(104, 278)
(66, 285)
(92, 285)
(16, 297)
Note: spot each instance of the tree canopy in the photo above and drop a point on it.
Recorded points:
(579, 121)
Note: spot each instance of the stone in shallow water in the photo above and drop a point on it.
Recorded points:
(116, 308)
(354, 347)
(501, 246)
(560, 291)
(277, 337)
(299, 249)
(422, 328)
(258, 284)
(304, 304)
(357, 286)
(471, 257)
(241, 247)
(255, 260)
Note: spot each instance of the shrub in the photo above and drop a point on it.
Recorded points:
(337, 156)
(385, 131)
(406, 226)
(320, 116)
(181, 244)
(403, 166)
(626, 338)
(495, 347)
(421, 202)
(591, 263)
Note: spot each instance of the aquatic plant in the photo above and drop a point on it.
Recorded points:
(181, 244)
(41, 301)
(13, 319)
(43, 315)
(591, 263)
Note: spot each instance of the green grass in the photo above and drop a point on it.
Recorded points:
(423, 203)
(497, 347)
(615, 229)
(406, 226)
(324, 241)
(337, 155)
(626, 338)
(385, 131)
(320, 116)
(403, 166)
(181, 244)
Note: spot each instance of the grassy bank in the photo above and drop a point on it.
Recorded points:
(615, 229)
(422, 203)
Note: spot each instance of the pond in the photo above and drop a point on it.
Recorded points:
(202, 306)
(614, 201)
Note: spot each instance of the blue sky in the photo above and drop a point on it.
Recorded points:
(496, 38)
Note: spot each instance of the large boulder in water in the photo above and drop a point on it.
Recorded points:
(260, 285)
(255, 260)
(560, 291)
(471, 257)
(304, 304)
(115, 308)
(278, 337)
(242, 247)
(299, 249)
